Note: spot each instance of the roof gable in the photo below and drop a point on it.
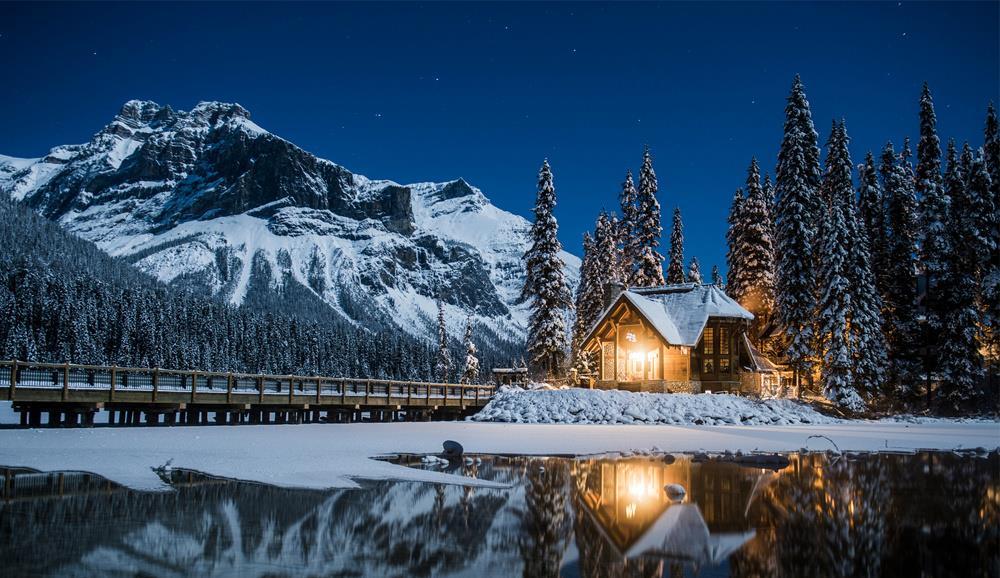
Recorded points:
(679, 312)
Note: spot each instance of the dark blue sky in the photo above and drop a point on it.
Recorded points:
(434, 91)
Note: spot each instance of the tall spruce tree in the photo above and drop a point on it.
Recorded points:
(442, 362)
(545, 283)
(757, 250)
(991, 276)
(961, 360)
(836, 307)
(899, 301)
(735, 287)
(586, 291)
(470, 371)
(675, 272)
(871, 213)
(648, 229)
(717, 277)
(868, 345)
(694, 271)
(796, 211)
(934, 243)
(628, 231)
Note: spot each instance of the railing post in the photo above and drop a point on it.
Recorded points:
(156, 384)
(319, 389)
(428, 392)
(194, 385)
(291, 389)
(229, 387)
(368, 386)
(477, 396)
(388, 391)
(13, 380)
(461, 395)
(114, 376)
(65, 390)
(409, 392)
(260, 389)
(343, 390)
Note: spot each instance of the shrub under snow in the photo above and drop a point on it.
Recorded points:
(587, 406)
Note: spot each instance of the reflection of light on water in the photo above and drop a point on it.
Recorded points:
(639, 488)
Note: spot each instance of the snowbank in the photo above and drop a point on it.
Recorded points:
(592, 406)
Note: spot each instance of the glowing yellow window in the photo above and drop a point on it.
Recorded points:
(709, 340)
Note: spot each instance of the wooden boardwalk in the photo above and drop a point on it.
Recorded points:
(71, 394)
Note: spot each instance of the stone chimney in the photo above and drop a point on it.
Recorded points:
(611, 292)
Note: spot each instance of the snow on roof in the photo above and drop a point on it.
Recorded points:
(681, 532)
(679, 312)
(760, 362)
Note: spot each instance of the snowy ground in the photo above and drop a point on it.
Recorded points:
(594, 406)
(332, 455)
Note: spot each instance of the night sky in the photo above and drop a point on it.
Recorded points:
(415, 92)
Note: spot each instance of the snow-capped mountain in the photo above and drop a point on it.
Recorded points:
(209, 199)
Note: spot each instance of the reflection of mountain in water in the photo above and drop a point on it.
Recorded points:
(873, 515)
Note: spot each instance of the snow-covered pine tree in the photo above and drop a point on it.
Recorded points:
(607, 252)
(675, 271)
(757, 251)
(868, 346)
(899, 301)
(545, 283)
(734, 241)
(961, 361)
(871, 214)
(796, 209)
(934, 243)
(835, 263)
(442, 362)
(717, 277)
(694, 271)
(648, 229)
(628, 231)
(470, 372)
(615, 257)
(584, 292)
(991, 276)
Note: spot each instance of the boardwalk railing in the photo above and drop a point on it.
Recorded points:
(74, 383)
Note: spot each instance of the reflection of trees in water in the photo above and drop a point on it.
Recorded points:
(930, 514)
(886, 515)
(545, 522)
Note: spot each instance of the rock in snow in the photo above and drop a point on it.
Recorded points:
(210, 199)
(584, 406)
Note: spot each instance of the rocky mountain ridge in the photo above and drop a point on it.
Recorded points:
(210, 200)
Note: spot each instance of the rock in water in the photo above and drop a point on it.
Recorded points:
(675, 492)
(452, 450)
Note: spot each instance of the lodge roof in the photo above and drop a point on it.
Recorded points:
(679, 312)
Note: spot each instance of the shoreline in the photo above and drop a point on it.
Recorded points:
(320, 456)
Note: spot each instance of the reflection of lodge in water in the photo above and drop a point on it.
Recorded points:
(625, 503)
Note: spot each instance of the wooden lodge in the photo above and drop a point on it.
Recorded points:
(688, 338)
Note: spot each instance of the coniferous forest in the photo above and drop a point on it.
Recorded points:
(877, 283)
(63, 299)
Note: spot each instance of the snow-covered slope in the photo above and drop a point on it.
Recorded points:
(210, 199)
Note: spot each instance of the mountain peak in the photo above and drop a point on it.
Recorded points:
(214, 110)
(140, 111)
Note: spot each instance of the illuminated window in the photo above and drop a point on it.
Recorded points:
(724, 365)
(709, 366)
(724, 340)
(709, 340)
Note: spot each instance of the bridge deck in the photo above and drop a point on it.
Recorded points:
(73, 384)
